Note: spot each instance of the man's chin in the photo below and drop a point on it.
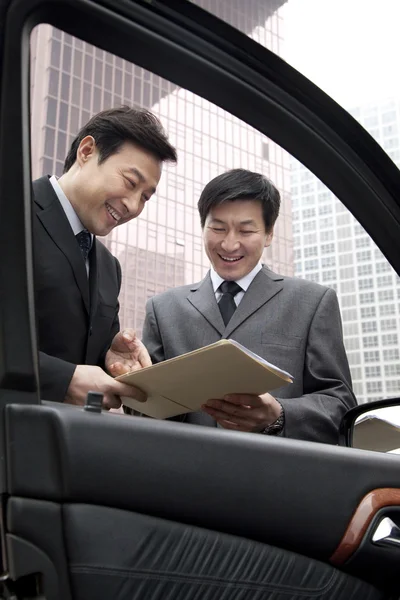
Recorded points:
(103, 231)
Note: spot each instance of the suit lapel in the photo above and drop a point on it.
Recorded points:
(203, 299)
(264, 286)
(54, 220)
(93, 277)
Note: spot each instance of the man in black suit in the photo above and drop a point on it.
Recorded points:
(111, 171)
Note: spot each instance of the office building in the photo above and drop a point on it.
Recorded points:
(331, 247)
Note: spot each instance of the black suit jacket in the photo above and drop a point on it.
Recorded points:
(77, 316)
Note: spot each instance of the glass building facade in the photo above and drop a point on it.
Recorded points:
(72, 80)
(331, 248)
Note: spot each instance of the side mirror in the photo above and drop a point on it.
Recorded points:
(372, 426)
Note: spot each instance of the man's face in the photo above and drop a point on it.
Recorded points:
(114, 192)
(234, 237)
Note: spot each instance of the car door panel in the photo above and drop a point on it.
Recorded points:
(249, 486)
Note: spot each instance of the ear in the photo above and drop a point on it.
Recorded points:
(86, 150)
(269, 237)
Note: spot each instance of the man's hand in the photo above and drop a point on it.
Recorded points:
(244, 412)
(127, 353)
(89, 378)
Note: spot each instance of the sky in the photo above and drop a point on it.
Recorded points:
(349, 48)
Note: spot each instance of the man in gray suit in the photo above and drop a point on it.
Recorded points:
(293, 323)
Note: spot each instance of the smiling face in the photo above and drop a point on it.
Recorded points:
(111, 193)
(234, 237)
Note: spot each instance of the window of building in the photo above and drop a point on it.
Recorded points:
(310, 238)
(343, 219)
(374, 371)
(328, 261)
(364, 270)
(330, 276)
(350, 329)
(370, 341)
(364, 255)
(391, 354)
(393, 386)
(352, 343)
(347, 273)
(385, 281)
(388, 324)
(327, 248)
(313, 251)
(297, 254)
(374, 386)
(356, 373)
(345, 246)
(391, 370)
(346, 259)
(326, 222)
(385, 295)
(387, 309)
(350, 314)
(344, 232)
(325, 209)
(368, 312)
(354, 357)
(362, 242)
(371, 356)
(369, 326)
(367, 298)
(365, 284)
(309, 226)
(347, 286)
(310, 265)
(389, 339)
(326, 236)
(348, 301)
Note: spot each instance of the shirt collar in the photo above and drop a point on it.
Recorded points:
(73, 219)
(244, 282)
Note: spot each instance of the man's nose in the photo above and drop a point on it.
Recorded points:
(132, 203)
(230, 242)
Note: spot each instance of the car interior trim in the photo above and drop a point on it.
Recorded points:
(362, 517)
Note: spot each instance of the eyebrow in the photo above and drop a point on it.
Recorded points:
(141, 177)
(246, 222)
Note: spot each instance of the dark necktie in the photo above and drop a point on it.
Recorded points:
(85, 241)
(227, 304)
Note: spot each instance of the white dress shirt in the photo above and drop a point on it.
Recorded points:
(70, 213)
(244, 283)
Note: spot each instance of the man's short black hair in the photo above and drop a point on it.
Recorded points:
(114, 127)
(240, 184)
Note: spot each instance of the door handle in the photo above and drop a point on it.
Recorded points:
(386, 533)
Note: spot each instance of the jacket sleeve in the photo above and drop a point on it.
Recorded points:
(55, 376)
(316, 415)
(115, 326)
(151, 336)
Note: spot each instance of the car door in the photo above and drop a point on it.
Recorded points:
(95, 503)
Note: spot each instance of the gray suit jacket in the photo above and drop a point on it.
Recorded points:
(293, 323)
